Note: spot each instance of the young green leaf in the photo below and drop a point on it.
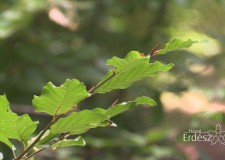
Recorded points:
(122, 107)
(4, 104)
(14, 126)
(145, 100)
(59, 100)
(79, 141)
(5, 140)
(135, 67)
(25, 126)
(176, 44)
(132, 60)
(133, 70)
(80, 122)
(46, 138)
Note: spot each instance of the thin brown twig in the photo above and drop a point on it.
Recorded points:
(55, 118)
(114, 103)
(38, 138)
(65, 135)
(154, 51)
(33, 154)
(93, 89)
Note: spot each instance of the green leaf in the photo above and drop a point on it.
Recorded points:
(132, 59)
(126, 71)
(6, 141)
(4, 105)
(25, 126)
(145, 100)
(8, 125)
(46, 138)
(14, 126)
(176, 44)
(80, 122)
(17, 127)
(59, 100)
(122, 107)
(79, 141)
(135, 67)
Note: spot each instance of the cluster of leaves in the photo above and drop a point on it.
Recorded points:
(60, 103)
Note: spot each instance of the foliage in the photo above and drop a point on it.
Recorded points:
(36, 48)
(176, 44)
(60, 102)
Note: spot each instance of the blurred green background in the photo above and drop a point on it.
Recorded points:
(42, 41)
